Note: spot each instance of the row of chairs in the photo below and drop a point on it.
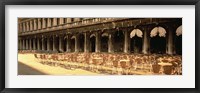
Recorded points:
(112, 63)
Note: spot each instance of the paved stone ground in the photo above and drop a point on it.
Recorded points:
(28, 65)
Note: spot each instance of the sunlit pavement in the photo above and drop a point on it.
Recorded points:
(28, 65)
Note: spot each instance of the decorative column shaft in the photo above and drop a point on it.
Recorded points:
(86, 42)
(68, 44)
(27, 28)
(54, 43)
(43, 46)
(54, 21)
(39, 23)
(24, 27)
(77, 44)
(43, 23)
(69, 20)
(23, 48)
(145, 47)
(61, 44)
(110, 43)
(35, 24)
(126, 42)
(30, 44)
(38, 44)
(31, 25)
(61, 21)
(49, 22)
(98, 43)
(34, 45)
(21, 27)
(170, 42)
(26, 44)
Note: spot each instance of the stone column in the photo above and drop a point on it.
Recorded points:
(76, 19)
(146, 44)
(86, 42)
(43, 23)
(35, 24)
(38, 44)
(26, 44)
(61, 44)
(21, 27)
(27, 28)
(54, 21)
(39, 23)
(110, 43)
(68, 44)
(49, 22)
(61, 21)
(69, 20)
(43, 46)
(54, 43)
(24, 27)
(48, 44)
(170, 42)
(31, 25)
(34, 45)
(98, 43)
(77, 44)
(126, 42)
(30, 44)
(23, 44)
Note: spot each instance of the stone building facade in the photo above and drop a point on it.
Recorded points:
(112, 35)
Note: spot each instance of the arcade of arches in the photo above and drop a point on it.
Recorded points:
(163, 38)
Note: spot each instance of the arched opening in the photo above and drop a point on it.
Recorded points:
(158, 40)
(81, 42)
(40, 44)
(178, 40)
(118, 41)
(45, 43)
(92, 43)
(136, 41)
(104, 42)
(36, 44)
(56, 43)
(72, 47)
(65, 44)
(31, 44)
(50, 43)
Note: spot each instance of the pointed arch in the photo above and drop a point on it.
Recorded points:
(158, 30)
(179, 31)
(92, 35)
(104, 34)
(137, 32)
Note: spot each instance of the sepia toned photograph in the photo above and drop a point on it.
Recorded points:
(99, 46)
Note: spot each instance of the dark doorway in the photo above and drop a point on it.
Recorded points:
(92, 44)
(158, 45)
(136, 44)
(118, 41)
(178, 45)
(104, 44)
(81, 42)
(72, 47)
(65, 44)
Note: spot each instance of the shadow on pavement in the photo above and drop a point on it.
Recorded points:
(24, 69)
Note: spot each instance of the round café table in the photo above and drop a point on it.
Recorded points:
(162, 64)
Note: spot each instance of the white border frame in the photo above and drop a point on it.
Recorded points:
(187, 80)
